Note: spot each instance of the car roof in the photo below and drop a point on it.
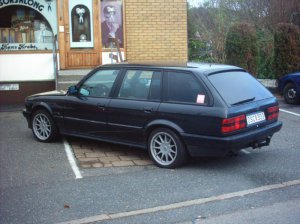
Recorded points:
(204, 68)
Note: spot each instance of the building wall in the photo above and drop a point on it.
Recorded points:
(156, 30)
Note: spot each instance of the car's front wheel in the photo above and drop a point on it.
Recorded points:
(43, 126)
(290, 94)
(166, 149)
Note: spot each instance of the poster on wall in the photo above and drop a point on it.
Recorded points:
(81, 32)
(111, 22)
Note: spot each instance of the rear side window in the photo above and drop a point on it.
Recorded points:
(141, 84)
(238, 87)
(185, 87)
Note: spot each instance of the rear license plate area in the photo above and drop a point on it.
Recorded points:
(255, 118)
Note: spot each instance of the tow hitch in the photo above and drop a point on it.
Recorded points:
(259, 144)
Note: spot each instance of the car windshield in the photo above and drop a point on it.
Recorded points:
(238, 87)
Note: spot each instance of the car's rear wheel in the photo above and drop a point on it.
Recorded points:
(290, 94)
(43, 126)
(166, 149)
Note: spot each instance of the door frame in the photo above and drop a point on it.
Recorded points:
(71, 58)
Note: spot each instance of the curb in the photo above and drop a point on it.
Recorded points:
(270, 84)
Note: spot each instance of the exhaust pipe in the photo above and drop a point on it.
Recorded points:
(259, 144)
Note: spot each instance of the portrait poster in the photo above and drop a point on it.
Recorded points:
(111, 22)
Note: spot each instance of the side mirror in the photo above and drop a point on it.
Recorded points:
(72, 90)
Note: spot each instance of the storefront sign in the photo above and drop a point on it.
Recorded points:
(7, 87)
(34, 4)
(18, 47)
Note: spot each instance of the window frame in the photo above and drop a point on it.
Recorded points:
(198, 80)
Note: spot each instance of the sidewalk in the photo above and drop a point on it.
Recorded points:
(12, 108)
(283, 212)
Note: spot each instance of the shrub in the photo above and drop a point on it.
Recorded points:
(286, 49)
(265, 53)
(200, 51)
(240, 47)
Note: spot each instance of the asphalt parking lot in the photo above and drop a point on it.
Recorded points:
(115, 184)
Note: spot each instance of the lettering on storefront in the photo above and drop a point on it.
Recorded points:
(34, 4)
(7, 87)
(20, 47)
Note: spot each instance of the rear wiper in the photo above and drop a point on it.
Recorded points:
(243, 101)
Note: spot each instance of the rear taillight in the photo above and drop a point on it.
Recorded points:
(272, 113)
(233, 124)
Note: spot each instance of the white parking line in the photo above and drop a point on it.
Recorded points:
(289, 112)
(72, 161)
(183, 204)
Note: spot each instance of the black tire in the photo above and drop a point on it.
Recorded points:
(166, 148)
(289, 94)
(43, 126)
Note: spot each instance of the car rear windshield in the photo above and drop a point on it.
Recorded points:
(238, 87)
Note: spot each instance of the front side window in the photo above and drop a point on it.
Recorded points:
(99, 84)
(140, 84)
(184, 87)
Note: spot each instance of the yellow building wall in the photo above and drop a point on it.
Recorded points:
(156, 31)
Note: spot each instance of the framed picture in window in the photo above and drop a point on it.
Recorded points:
(81, 26)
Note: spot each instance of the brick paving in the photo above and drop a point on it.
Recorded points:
(94, 154)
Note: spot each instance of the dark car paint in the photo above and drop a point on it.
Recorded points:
(290, 78)
(130, 122)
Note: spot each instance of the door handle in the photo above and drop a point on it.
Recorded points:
(101, 106)
(148, 110)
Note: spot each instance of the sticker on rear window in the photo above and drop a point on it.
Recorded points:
(200, 98)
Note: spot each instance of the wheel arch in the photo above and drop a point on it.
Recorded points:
(39, 106)
(163, 124)
(286, 82)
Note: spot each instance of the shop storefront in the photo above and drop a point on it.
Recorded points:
(39, 37)
(34, 33)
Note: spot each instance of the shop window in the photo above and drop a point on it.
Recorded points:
(80, 17)
(23, 28)
(81, 24)
(111, 23)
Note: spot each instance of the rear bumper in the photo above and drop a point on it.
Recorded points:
(218, 146)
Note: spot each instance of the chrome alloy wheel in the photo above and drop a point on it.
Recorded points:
(41, 126)
(163, 148)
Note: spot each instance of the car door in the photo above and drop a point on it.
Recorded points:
(85, 111)
(186, 102)
(134, 104)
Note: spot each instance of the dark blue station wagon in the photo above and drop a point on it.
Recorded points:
(173, 112)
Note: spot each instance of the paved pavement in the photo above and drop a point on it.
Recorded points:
(99, 154)
(37, 183)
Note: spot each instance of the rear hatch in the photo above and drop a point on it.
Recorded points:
(250, 104)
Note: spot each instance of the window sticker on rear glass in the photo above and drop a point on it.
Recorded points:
(200, 98)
